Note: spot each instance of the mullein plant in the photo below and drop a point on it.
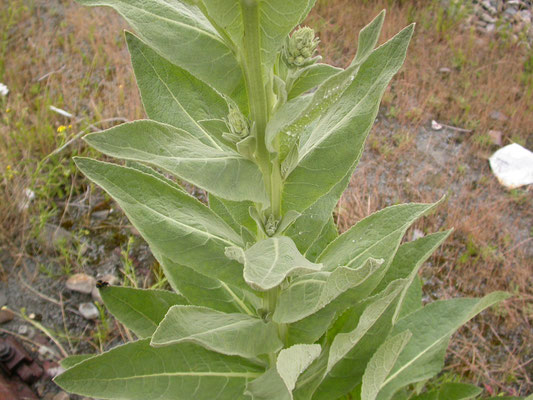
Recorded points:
(268, 300)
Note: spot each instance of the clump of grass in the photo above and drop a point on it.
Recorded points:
(50, 56)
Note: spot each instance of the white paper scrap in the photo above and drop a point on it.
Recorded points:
(61, 111)
(513, 166)
(4, 90)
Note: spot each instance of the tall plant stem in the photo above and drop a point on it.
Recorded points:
(259, 100)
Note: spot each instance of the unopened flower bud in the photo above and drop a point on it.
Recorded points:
(300, 47)
(238, 124)
(271, 225)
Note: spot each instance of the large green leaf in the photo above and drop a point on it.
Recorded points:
(277, 18)
(405, 265)
(173, 96)
(173, 223)
(180, 33)
(270, 261)
(231, 334)
(328, 150)
(312, 292)
(217, 169)
(208, 292)
(137, 371)
(138, 309)
(432, 327)
(451, 391)
(279, 382)
(381, 364)
(377, 236)
(351, 351)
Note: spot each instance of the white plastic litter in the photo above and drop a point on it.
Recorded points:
(513, 166)
(3, 89)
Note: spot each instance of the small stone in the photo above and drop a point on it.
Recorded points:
(525, 15)
(496, 137)
(47, 352)
(499, 116)
(6, 315)
(40, 389)
(489, 7)
(26, 330)
(52, 236)
(445, 70)
(82, 283)
(487, 18)
(88, 311)
(490, 28)
(436, 126)
(511, 11)
(100, 215)
(61, 396)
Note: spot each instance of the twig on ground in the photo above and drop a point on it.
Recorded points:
(42, 296)
(8, 332)
(65, 321)
(51, 73)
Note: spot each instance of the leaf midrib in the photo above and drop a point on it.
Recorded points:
(198, 335)
(172, 374)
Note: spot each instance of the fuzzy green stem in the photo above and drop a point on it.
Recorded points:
(253, 70)
(260, 100)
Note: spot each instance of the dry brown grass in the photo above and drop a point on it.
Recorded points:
(82, 51)
(487, 73)
(490, 249)
(55, 57)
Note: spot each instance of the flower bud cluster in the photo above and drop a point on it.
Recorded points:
(300, 47)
